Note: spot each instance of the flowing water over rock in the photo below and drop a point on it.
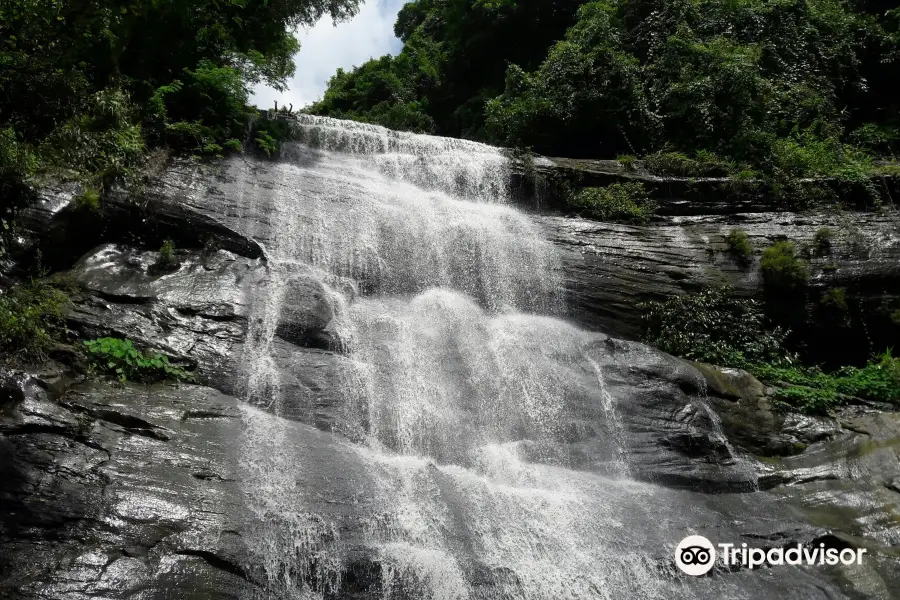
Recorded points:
(398, 406)
(484, 451)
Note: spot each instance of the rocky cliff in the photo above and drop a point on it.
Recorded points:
(610, 269)
(134, 491)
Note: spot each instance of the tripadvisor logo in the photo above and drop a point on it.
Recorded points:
(696, 555)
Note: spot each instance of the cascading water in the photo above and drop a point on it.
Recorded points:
(464, 403)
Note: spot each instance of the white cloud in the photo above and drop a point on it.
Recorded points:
(326, 47)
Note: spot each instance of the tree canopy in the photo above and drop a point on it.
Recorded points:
(803, 82)
(89, 85)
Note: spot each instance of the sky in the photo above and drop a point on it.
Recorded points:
(325, 47)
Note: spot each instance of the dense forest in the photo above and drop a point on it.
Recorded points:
(90, 86)
(796, 85)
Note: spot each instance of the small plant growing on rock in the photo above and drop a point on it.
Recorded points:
(627, 161)
(782, 268)
(822, 241)
(30, 318)
(120, 359)
(835, 299)
(739, 245)
(88, 200)
(267, 144)
(165, 260)
(616, 203)
(716, 327)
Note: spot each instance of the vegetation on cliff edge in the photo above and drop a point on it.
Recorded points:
(783, 89)
(89, 86)
(715, 327)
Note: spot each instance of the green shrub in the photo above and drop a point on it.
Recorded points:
(165, 259)
(617, 203)
(811, 390)
(267, 144)
(703, 164)
(120, 359)
(878, 380)
(739, 245)
(102, 143)
(716, 327)
(269, 134)
(89, 199)
(822, 240)
(233, 145)
(781, 268)
(30, 317)
(17, 162)
(627, 161)
(835, 299)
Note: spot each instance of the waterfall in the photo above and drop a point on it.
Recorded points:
(461, 395)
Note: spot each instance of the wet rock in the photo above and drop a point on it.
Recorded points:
(160, 491)
(609, 269)
(307, 309)
(199, 314)
(93, 506)
(750, 419)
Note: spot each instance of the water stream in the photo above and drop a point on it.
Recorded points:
(462, 397)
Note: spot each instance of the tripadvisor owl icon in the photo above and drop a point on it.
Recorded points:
(695, 555)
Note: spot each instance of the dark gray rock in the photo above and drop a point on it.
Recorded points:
(749, 417)
(199, 314)
(157, 491)
(307, 310)
(164, 492)
(62, 232)
(610, 269)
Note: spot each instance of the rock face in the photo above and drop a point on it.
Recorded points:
(610, 269)
(608, 455)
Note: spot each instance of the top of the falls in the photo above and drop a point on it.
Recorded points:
(461, 168)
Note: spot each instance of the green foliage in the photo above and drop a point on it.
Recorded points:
(267, 143)
(617, 203)
(454, 60)
(17, 163)
(627, 161)
(702, 164)
(88, 86)
(835, 299)
(165, 259)
(715, 327)
(268, 134)
(588, 92)
(384, 91)
(203, 110)
(770, 90)
(822, 240)
(811, 390)
(739, 245)
(782, 268)
(120, 359)
(30, 318)
(88, 199)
